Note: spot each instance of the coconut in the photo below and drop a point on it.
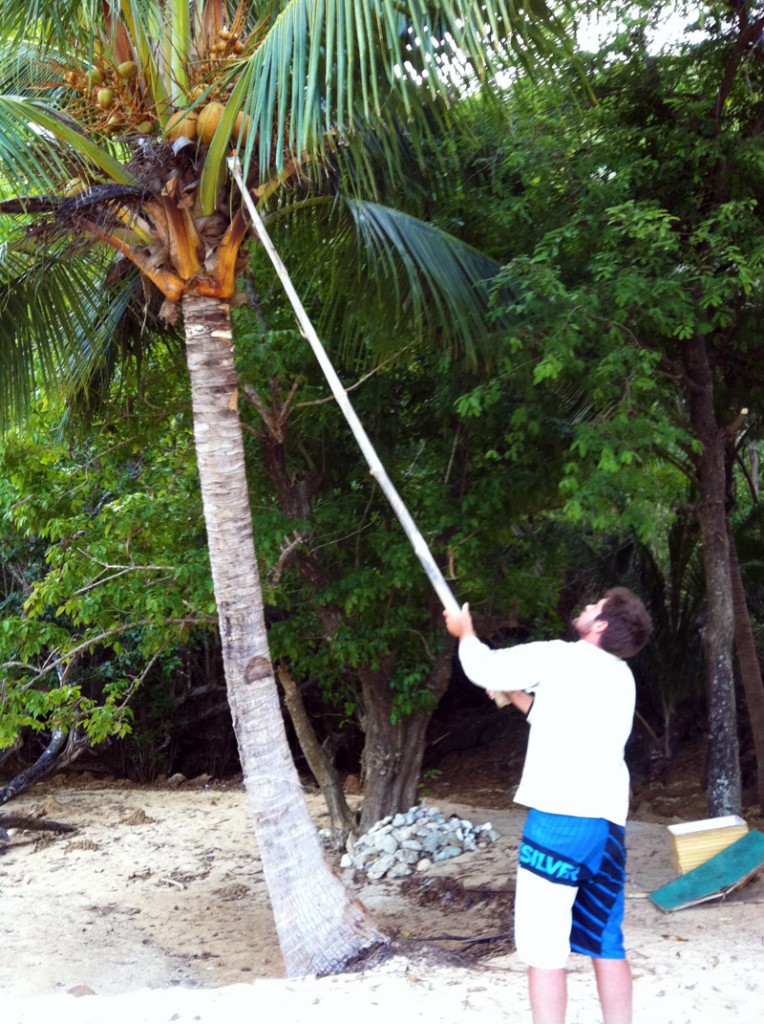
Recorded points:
(241, 128)
(128, 69)
(104, 98)
(209, 119)
(74, 186)
(115, 123)
(182, 123)
(94, 77)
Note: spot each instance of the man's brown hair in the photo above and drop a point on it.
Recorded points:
(628, 624)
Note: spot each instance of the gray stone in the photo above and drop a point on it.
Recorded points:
(394, 844)
(381, 866)
(400, 870)
(447, 852)
(385, 843)
(434, 841)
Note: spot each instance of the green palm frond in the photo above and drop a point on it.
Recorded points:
(53, 22)
(58, 321)
(32, 162)
(306, 72)
(40, 148)
(21, 70)
(323, 64)
(395, 161)
(388, 276)
(445, 280)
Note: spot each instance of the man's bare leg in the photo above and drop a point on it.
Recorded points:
(615, 990)
(548, 991)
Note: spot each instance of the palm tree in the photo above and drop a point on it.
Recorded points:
(116, 121)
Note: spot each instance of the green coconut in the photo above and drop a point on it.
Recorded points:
(128, 69)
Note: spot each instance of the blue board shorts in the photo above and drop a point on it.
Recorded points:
(570, 889)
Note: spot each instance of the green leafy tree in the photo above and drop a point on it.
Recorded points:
(646, 296)
(351, 619)
(350, 612)
(113, 176)
(100, 586)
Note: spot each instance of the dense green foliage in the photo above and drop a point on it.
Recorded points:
(554, 459)
(106, 575)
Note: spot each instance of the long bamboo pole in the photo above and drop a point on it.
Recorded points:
(378, 471)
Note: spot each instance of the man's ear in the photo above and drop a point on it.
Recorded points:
(600, 625)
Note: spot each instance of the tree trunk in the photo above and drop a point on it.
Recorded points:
(44, 764)
(750, 670)
(392, 755)
(319, 925)
(393, 751)
(724, 793)
(341, 817)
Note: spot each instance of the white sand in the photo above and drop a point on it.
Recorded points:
(158, 906)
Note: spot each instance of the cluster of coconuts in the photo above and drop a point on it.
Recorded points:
(117, 103)
(228, 43)
(200, 125)
(109, 90)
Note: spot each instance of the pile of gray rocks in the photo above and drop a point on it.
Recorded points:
(413, 841)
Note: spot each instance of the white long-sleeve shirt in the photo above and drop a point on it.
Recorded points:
(581, 718)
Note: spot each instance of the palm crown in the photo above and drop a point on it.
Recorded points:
(119, 119)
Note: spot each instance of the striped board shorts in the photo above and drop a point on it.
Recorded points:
(570, 889)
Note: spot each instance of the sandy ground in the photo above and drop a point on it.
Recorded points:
(157, 906)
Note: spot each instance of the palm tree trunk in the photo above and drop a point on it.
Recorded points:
(319, 925)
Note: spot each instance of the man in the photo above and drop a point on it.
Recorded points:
(579, 701)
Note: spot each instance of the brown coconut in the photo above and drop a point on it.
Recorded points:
(183, 123)
(241, 127)
(208, 120)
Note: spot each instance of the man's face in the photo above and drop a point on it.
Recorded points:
(585, 620)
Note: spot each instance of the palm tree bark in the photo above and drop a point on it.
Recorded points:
(320, 927)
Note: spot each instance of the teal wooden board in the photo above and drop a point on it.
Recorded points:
(715, 878)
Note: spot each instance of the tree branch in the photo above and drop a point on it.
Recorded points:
(360, 381)
(749, 37)
(122, 571)
(274, 574)
(736, 424)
